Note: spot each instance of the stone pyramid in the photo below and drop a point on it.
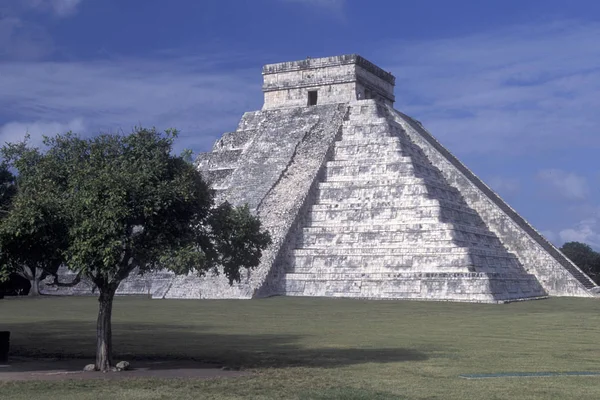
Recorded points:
(363, 202)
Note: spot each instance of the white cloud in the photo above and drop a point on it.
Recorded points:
(586, 231)
(65, 7)
(504, 186)
(551, 236)
(16, 131)
(61, 8)
(565, 184)
(188, 93)
(518, 90)
(22, 40)
(319, 3)
(337, 7)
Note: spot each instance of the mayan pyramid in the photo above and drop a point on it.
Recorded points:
(362, 201)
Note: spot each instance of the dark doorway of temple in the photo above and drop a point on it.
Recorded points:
(312, 98)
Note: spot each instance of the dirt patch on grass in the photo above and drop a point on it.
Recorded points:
(26, 369)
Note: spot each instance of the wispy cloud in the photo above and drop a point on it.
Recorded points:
(563, 184)
(336, 7)
(586, 231)
(65, 7)
(61, 8)
(514, 90)
(26, 38)
(15, 131)
(503, 185)
(187, 93)
(23, 40)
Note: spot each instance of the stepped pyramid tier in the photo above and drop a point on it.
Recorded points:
(361, 201)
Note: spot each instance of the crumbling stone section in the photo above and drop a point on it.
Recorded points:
(275, 182)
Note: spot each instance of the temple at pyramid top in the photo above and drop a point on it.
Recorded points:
(328, 80)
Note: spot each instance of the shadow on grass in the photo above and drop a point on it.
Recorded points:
(69, 339)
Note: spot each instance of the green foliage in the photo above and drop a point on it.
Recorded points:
(238, 239)
(7, 189)
(112, 203)
(7, 193)
(584, 257)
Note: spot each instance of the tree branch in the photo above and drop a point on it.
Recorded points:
(70, 284)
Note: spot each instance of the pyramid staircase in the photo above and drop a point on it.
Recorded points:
(386, 224)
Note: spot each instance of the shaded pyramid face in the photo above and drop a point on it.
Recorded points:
(386, 224)
(361, 201)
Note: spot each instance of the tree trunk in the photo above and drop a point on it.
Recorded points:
(104, 330)
(35, 282)
(33, 275)
(35, 287)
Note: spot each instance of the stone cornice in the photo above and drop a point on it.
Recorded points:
(312, 63)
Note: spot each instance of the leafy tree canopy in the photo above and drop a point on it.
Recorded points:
(584, 257)
(114, 203)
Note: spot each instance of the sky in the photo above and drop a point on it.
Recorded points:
(511, 87)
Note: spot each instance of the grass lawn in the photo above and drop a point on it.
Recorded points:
(309, 348)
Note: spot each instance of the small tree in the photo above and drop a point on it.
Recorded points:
(7, 193)
(584, 257)
(127, 203)
(32, 232)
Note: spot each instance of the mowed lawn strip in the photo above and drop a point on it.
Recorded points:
(312, 348)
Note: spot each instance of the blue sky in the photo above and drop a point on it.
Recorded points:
(511, 87)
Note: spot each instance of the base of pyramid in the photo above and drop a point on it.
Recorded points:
(462, 287)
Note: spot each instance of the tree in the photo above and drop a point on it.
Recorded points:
(584, 257)
(32, 235)
(7, 193)
(127, 203)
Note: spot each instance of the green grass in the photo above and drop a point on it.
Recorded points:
(303, 348)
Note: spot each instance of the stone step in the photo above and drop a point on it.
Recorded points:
(378, 140)
(418, 227)
(372, 276)
(349, 192)
(360, 260)
(433, 262)
(415, 230)
(374, 239)
(364, 174)
(362, 162)
(359, 195)
(335, 171)
(463, 288)
(217, 176)
(236, 140)
(351, 129)
(375, 152)
(406, 203)
(390, 214)
(406, 250)
(220, 160)
(420, 185)
(416, 202)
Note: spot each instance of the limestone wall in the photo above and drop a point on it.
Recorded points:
(298, 97)
(556, 273)
(337, 79)
(279, 168)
